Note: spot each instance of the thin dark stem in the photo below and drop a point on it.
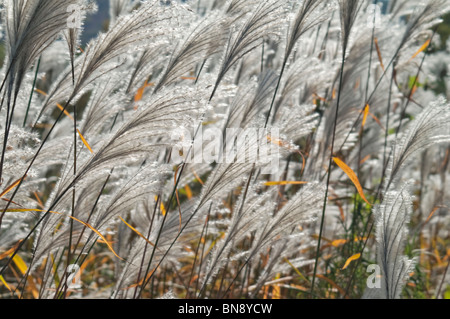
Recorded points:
(329, 172)
(31, 93)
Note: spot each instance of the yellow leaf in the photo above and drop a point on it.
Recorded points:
(296, 270)
(366, 112)
(163, 208)
(188, 192)
(351, 174)
(65, 111)
(137, 232)
(422, 48)
(276, 291)
(338, 242)
(85, 142)
(447, 293)
(20, 263)
(352, 258)
(41, 92)
(70, 117)
(5, 283)
(284, 183)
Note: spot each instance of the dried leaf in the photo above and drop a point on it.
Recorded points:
(422, 48)
(137, 232)
(284, 183)
(379, 54)
(352, 258)
(351, 174)
(85, 142)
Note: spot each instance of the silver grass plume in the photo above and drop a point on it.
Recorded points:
(248, 106)
(205, 39)
(168, 234)
(392, 218)
(348, 12)
(432, 126)
(31, 26)
(304, 21)
(120, 7)
(303, 207)
(131, 140)
(101, 55)
(249, 37)
(246, 217)
(72, 35)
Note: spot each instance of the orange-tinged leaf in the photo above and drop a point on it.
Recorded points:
(351, 174)
(431, 214)
(85, 142)
(379, 54)
(41, 92)
(372, 116)
(140, 92)
(21, 210)
(338, 242)
(10, 251)
(266, 292)
(188, 191)
(284, 183)
(422, 48)
(364, 159)
(58, 105)
(41, 204)
(352, 258)
(188, 78)
(377, 120)
(65, 111)
(142, 280)
(10, 187)
(366, 113)
(319, 97)
(197, 177)
(137, 232)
